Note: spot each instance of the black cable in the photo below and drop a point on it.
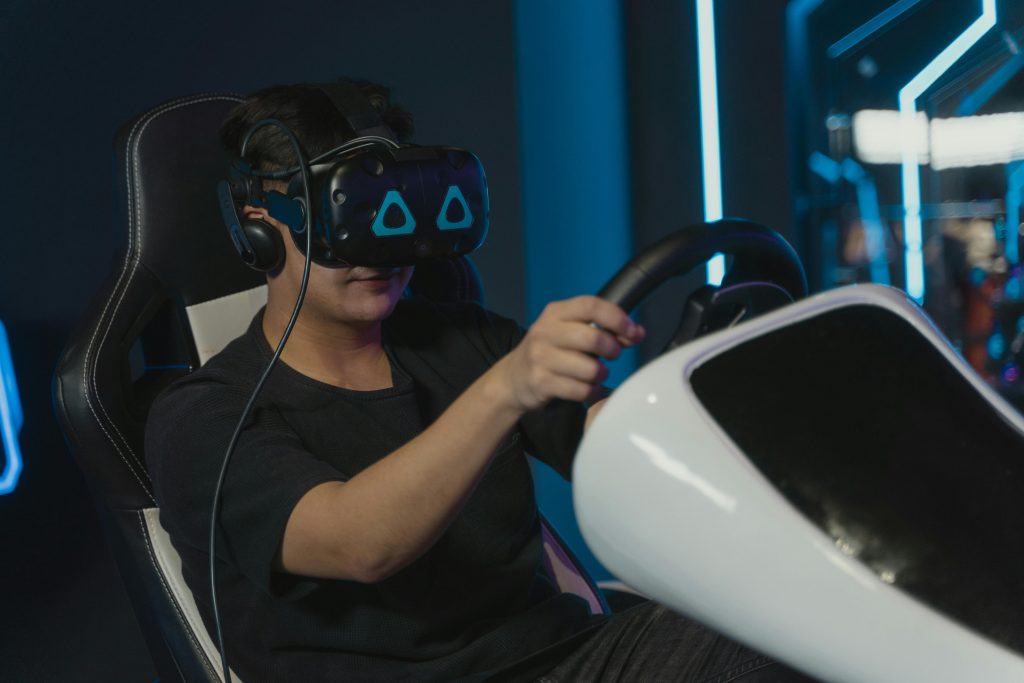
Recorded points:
(347, 146)
(304, 169)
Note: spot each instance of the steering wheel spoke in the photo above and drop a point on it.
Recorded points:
(765, 274)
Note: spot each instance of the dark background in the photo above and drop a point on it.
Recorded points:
(72, 73)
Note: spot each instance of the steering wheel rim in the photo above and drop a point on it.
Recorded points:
(763, 261)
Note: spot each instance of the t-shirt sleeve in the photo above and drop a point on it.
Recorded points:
(270, 470)
(551, 434)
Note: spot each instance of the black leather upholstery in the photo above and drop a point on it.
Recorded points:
(177, 253)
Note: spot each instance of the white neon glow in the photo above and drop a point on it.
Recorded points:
(711, 158)
(963, 141)
(910, 160)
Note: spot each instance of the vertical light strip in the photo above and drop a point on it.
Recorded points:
(711, 157)
(10, 417)
(1014, 184)
(911, 172)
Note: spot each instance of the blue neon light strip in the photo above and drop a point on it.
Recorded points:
(867, 204)
(911, 172)
(871, 218)
(993, 84)
(711, 157)
(869, 28)
(11, 417)
(1014, 185)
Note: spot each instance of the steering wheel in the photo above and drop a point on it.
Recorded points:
(765, 274)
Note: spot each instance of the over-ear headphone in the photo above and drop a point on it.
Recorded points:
(375, 202)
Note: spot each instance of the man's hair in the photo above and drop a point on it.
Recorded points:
(310, 114)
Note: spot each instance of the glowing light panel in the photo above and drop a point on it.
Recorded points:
(711, 158)
(1014, 185)
(910, 171)
(10, 417)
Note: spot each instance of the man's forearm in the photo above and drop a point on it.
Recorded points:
(390, 513)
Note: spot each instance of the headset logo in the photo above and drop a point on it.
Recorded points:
(444, 221)
(10, 417)
(454, 214)
(390, 209)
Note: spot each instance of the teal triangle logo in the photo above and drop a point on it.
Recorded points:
(392, 208)
(453, 222)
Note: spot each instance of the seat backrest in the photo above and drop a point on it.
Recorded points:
(136, 340)
(175, 298)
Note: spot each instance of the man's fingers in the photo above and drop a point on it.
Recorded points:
(577, 336)
(576, 366)
(592, 309)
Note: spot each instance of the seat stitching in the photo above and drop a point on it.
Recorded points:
(134, 247)
(174, 601)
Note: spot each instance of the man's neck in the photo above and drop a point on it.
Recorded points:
(350, 356)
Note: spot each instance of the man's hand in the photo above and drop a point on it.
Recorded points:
(560, 355)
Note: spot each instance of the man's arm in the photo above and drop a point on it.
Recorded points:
(373, 525)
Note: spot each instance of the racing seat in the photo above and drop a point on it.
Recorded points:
(177, 296)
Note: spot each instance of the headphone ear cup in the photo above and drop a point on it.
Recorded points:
(266, 244)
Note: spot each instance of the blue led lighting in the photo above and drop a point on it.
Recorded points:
(871, 218)
(711, 157)
(996, 346)
(867, 204)
(869, 28)
(993, 84)
(11, 417)
(454, 195)
(1014, 185)
(911, 174)
(393, 198)
(827, 168)
(1011, 373)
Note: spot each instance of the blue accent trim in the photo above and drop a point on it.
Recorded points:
(454, 195)
(869, 28)
(867, 204)
(393, 198)
(711, 156)
(910, 166)
(993, 84)
(1014, 185)
(871, 218)
(825, 167)
(11, 417)
(570, 59)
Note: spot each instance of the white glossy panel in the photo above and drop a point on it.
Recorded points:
(669, 504)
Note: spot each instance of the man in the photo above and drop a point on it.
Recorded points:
(378, 516)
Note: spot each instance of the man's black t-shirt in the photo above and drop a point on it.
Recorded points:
(473, 604)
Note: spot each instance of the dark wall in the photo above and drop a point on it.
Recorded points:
(72, 73)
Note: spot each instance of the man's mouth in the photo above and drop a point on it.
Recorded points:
(372, 274)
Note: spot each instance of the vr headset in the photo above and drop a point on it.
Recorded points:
(375, 202)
